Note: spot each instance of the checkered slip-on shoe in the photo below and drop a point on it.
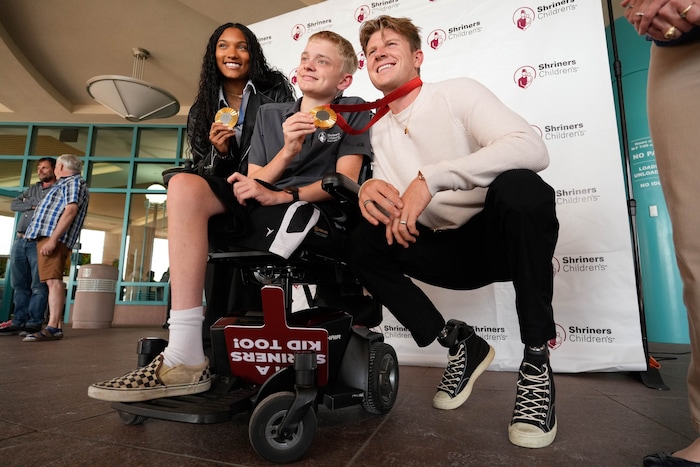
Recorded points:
(154, 381)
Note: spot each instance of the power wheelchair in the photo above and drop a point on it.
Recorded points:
(283, 364)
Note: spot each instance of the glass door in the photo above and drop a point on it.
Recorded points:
(7, 230)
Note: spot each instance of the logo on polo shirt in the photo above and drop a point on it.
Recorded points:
(326, 137)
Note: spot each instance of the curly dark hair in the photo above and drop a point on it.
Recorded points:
(264, 77)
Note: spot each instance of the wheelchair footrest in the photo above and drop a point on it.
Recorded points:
(342, 397)
(208, 407)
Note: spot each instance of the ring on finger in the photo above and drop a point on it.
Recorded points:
(685, 12)
(367, 202)
(671, 33)
(403, 222)
(639, 13)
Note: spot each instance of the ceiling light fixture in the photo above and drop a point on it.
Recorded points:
(131, 97)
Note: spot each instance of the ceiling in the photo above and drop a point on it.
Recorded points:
(49, 49)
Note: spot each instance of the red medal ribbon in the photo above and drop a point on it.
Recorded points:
(381, 104)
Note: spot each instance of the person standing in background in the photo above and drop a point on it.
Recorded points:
(673, 99)
(54, 229)
(30, 294)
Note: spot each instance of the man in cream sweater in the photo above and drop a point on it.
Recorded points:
(456, 202)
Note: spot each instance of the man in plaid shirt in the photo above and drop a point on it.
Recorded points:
(55, 228)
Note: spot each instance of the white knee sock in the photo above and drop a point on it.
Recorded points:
(185, 341)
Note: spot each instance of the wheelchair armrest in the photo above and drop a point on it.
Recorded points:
(344, 189)
(340, 187)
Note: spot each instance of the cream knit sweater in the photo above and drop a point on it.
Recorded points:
(460, 136)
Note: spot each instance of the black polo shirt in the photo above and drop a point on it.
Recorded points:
(320, 150)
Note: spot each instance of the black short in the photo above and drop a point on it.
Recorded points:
(222, 190)
(252, 226)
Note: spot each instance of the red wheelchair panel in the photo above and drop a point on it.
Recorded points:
(256, 352)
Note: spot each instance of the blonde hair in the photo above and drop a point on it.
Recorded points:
(402, 26)
(345, 49)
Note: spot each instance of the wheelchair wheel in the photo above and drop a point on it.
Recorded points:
(383, 379)
(131, 419)
(263, 430)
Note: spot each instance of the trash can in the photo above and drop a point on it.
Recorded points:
(95, 296)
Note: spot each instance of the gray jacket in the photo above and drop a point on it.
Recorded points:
(27, 202)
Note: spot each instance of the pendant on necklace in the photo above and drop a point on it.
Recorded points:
(405, 131)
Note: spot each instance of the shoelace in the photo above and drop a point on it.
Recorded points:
(532, 402)
(453, 372)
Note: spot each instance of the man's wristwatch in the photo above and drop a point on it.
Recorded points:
(292, 190)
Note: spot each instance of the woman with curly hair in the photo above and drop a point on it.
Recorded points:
(235, 74)
(235, 77)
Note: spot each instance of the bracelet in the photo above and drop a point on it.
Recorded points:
(222, 156)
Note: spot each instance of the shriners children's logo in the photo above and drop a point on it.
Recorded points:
(362, 13)
(538, 130)
(524, 76)
(436, 39)
(556, 266)
(361, 60)
(298, 31)
(523, 18)
(559, 339)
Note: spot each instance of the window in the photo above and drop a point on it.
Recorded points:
(122, 162)
(113, 142)
(57, 140)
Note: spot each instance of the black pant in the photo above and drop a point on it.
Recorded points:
(512, 238)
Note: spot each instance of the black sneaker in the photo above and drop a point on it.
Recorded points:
(534, 424)
(10, 331)
(466, 361)
(662, 459)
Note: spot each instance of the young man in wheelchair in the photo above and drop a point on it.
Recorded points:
(293, 146)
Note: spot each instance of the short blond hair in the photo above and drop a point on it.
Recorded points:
(402, 26)
(345, 49)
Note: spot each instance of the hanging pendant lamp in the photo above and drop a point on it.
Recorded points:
(131, 97)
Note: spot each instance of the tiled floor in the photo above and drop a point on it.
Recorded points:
(605, 419)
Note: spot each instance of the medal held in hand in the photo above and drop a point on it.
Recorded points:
(227, 116)
(324, 117)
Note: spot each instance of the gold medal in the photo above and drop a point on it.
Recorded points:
(324, 117)
(227, 116)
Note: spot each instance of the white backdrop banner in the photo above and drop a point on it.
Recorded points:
(548, 62)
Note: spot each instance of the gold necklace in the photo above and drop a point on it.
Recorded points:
(240, 96)
(404, 125)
